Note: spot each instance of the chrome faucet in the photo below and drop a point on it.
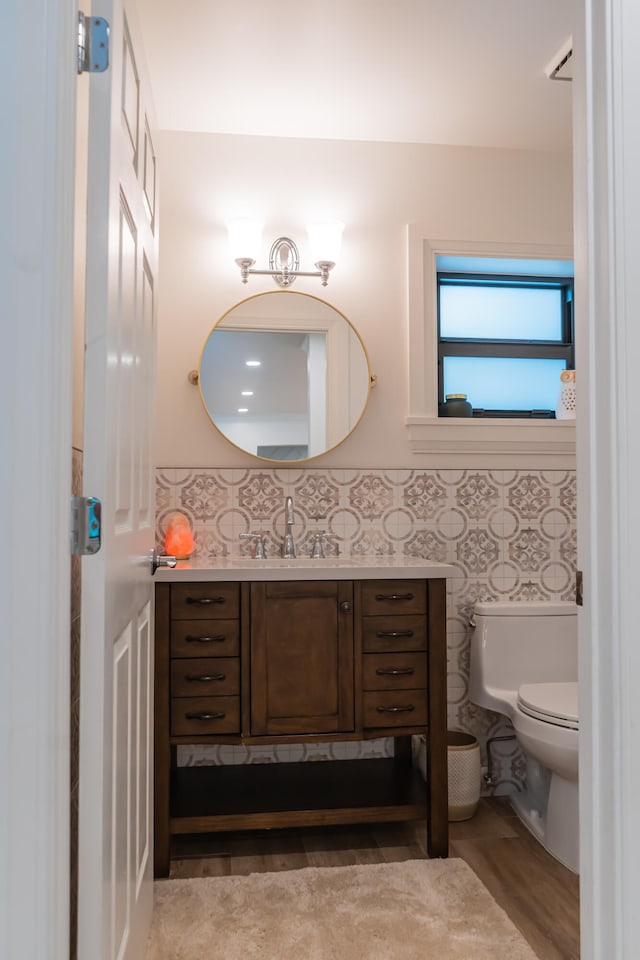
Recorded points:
(259, 548)
(288, 548)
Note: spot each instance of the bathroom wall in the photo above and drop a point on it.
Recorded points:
(508, 535)
(459, 194)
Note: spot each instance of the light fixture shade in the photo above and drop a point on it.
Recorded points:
(245, 237)
(325, 239)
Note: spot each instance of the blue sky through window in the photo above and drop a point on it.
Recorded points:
(497, 313)
(505, 383)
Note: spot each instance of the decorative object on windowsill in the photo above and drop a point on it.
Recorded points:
(178, 539)
(566, 406)
(456, 405)
(324, 242)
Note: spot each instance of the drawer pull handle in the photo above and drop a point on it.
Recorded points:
(394, 596)
(218, 638)
(408, 709)
(394, 672)
(394, 633)
(205, 716)
(204, 678)
(205, 601)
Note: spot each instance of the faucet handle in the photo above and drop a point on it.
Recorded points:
(259, 550)
(317, 545)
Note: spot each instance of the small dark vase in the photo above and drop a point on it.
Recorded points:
(456, 405)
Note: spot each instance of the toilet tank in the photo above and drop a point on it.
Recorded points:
(515, 643)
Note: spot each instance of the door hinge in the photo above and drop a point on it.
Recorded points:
(93, 44)
(86, 525)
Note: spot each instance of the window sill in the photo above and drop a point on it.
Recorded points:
(494, 443)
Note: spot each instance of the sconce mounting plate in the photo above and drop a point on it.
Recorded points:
(284, 261)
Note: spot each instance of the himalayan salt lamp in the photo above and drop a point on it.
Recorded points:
(178, 539)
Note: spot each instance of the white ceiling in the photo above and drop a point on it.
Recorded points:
(465, 72)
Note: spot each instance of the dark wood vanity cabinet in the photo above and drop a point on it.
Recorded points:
(295, 661)
(301, 649)
(204, 654)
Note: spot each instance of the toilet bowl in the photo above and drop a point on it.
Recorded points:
(524, 665)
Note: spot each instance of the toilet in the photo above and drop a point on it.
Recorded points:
(524, 664)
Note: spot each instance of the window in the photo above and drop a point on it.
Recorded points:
(505, 333)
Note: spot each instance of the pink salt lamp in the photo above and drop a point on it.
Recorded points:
(178, 539)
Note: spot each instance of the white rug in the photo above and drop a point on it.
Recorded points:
(413, 910)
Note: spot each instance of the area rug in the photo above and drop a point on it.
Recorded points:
(413, 910)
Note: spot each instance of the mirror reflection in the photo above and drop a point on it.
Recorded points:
(284, 376)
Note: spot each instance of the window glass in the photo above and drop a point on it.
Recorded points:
(498, 312)
(505, 383)
(515, 266)
(505, 333)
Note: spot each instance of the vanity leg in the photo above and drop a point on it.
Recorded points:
(437, 778)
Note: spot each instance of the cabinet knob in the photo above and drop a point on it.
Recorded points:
(345, 606)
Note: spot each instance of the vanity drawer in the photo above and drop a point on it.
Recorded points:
(394, 671)
(210, 638)
(204, 715)
(391, 708)
(386, 634)
(198, 678)
(393, 596)
(205, 601)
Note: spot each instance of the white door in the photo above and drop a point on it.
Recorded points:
(116, 817)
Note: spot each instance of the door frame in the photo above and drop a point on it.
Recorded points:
(36, 274)
(607, 253)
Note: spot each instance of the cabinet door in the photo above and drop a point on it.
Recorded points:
(301, 657)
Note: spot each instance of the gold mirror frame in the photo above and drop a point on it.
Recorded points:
(334, 320)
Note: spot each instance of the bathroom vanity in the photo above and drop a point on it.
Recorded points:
(258, 652)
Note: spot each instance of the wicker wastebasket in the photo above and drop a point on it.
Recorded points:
(463, 753)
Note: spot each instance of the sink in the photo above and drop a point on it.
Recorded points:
(326, 563)
(276, 563)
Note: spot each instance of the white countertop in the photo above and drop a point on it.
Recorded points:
(304, 568)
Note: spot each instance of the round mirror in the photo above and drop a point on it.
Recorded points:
(284, 376)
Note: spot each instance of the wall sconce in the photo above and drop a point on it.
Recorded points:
(284, 260)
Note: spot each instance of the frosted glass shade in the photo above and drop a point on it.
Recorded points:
(245, 237)
(325, 240)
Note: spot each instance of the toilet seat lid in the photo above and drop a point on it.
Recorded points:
(552, 702)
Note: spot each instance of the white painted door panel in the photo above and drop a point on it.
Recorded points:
(115, 828)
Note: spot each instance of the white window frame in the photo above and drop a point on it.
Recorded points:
(475, 442)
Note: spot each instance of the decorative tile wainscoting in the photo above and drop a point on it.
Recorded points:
(508, 535)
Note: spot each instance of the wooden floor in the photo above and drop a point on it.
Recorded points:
(539, 894)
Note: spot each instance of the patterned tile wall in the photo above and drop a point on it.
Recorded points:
(508, 535)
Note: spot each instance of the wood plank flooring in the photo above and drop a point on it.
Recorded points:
(540, 896)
